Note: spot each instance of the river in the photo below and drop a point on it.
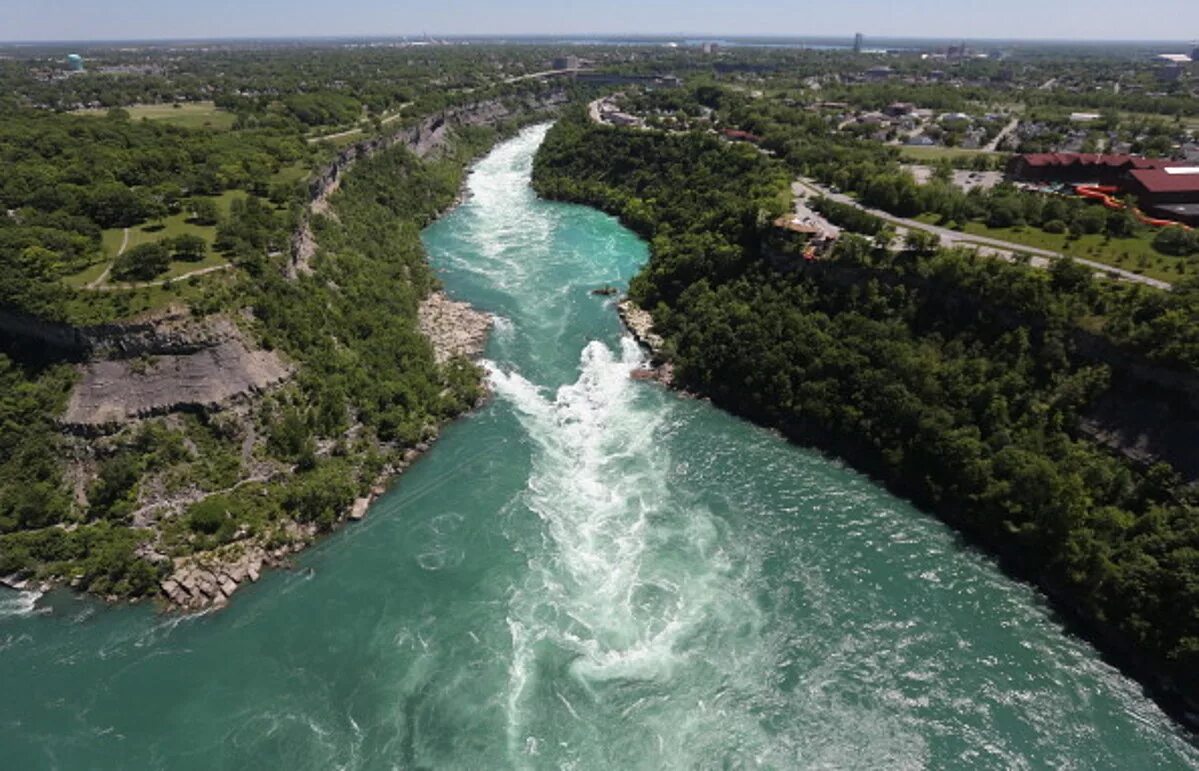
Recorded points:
(592, 573)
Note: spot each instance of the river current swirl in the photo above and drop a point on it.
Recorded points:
(589, 573)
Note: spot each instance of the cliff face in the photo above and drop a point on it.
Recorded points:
(169, 333)
(426, 138)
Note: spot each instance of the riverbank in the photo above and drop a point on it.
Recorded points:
(580, 564)
(212, 491)
(899, 383)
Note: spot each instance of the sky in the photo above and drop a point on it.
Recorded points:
(155, 19)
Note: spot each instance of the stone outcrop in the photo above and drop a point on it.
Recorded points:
(640, 324)
(113, 392)
(169, 332)
(208, 580)
(454, 328)
(176, 363)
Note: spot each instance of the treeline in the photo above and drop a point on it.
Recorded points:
(366, 389)
(67, 178)
(1149, 324)
(951, 377)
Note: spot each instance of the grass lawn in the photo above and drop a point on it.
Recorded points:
(292, 173)
(925, 154)
(194, 115)
(175, 225)
(137, 301)
(1134, 254)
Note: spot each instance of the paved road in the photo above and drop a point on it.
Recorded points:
(532, 75)
(993, 145)
(956, 238)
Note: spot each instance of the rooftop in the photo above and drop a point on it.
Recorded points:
(1163, 181)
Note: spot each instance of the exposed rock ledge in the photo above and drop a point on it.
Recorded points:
(112, 392)
(454, 328)
(208, 580)
(640, 324)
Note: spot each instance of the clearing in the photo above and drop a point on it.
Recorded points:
(194, 115)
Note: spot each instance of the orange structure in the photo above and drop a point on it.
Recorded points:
(1103, 194)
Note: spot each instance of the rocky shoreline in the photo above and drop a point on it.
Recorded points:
(640, 324)
(207, 581)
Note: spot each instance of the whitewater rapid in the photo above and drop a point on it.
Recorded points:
(587, 573)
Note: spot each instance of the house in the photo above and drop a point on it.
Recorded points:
(737, 135)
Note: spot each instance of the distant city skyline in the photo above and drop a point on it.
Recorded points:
(83, 20)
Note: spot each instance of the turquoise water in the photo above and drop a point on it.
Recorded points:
(589, 573)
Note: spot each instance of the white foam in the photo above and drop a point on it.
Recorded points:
(630, 583)
(19, 603)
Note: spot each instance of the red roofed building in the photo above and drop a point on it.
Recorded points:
(1078, 167)
(1163, 188)
(1170, 193)
(737, 135)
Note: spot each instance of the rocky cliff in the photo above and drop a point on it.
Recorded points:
(423, 139)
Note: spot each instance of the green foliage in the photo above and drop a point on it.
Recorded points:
(142, 262)
(323, 109)
(100, 558)
(187, 247)
(950, 376)
(1176, 241)
(32, 491)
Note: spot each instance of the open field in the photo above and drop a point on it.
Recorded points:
(187, 114)
(1134, 254)
(293, 173)
(143, 299)
(113, 239)
(926, 154)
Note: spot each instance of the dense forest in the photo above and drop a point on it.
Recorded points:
(367, 389)
(953, 378)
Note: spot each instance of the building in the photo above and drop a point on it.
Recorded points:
(1077, 168)
(1163, 188)
(737, 135)
(566, 63)
(857, 43)
(75, 63)
(710, 47)
(879, 73)
(1172, 185)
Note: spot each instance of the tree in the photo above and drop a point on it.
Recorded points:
(1174, 241)
(142, 262)
(187, 247)
(204, 211)
(921, 241)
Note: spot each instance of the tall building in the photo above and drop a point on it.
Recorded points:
(857, 43)
(75, 62)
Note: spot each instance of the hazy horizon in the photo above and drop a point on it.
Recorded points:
(51, 21)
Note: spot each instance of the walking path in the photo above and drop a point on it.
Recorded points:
(161, 281)
(103, 277)
(358, 130)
